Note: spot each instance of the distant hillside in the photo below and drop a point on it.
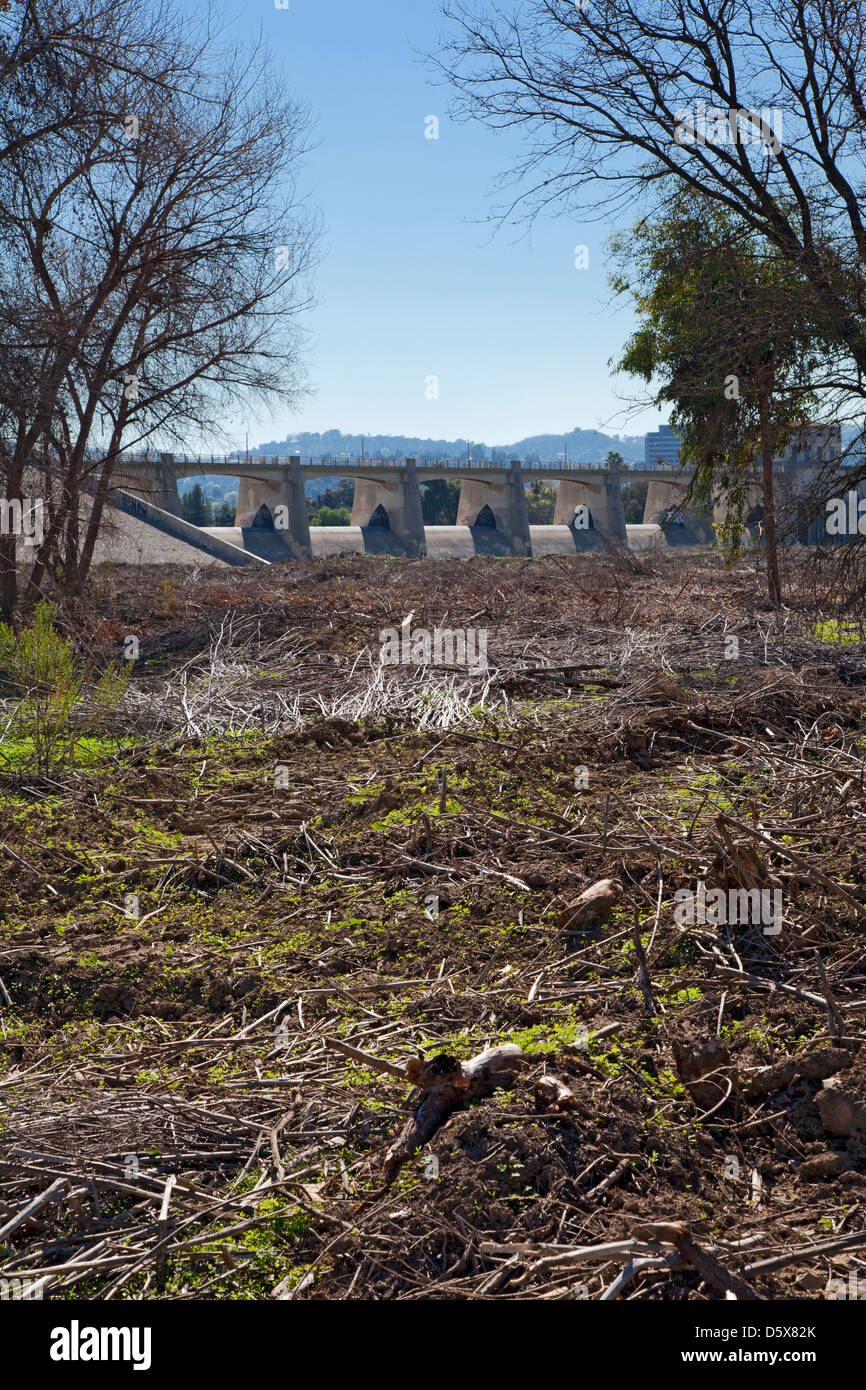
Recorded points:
(584, 446)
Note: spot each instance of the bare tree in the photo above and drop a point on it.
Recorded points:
(153, 264)
(761, 109)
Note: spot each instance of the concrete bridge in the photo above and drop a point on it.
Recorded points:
(492, 517)
(271, 496)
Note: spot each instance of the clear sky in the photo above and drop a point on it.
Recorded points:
(414, 283)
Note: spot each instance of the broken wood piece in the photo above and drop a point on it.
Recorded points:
(162, 1232)
(576, 1254)
(643, 974)
(757, 1183)
(705, 1071)
(563, 1258)
(715, 1274)
(636, 1267)
(445, 1083)
(805, 1252)
(745, 867)
(660, 1232)
(550, 1093)
(610, 1181)
(51, 1194)
(375, 1063)
(593, 907)
(814, 874)
(835, 1022)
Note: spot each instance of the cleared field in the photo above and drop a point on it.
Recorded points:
(292, 854)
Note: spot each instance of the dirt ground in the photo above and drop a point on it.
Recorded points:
(287, 854)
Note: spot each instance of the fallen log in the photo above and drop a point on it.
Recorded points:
(719, 1278)
(445, 1083)
(815, 1066)
(723, 1280)
(51, 1194)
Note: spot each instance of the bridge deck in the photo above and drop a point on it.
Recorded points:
(264, 469)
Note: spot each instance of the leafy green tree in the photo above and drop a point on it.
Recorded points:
(224, 515)
(196, 508)
(540, 502)
(440, 499)
(342, 495)
(731, 336)
(634, 503)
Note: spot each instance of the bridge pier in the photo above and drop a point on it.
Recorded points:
(505, 496)
(400, 496)
(801, 515)
(285, 498)
(153, 481)
(666, 492)
(754, 498)
(602, 500)
(800, 518)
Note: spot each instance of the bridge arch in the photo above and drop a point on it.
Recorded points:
(380, 518)
(755, 523)
(486, 517)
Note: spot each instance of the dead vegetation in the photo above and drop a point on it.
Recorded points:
(420, 1020)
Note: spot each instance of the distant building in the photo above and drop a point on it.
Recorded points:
(662, 446)
(811, 446)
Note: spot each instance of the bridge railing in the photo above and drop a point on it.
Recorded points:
(205, 461)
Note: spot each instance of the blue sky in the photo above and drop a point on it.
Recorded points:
(414, 283)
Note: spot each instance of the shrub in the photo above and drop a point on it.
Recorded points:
(59, 701)
(330, 516)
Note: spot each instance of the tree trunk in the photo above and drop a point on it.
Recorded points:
(99, 500)
(104, 485)
(8, 578)
(12, 486)
(71, 582)
(773, 583)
